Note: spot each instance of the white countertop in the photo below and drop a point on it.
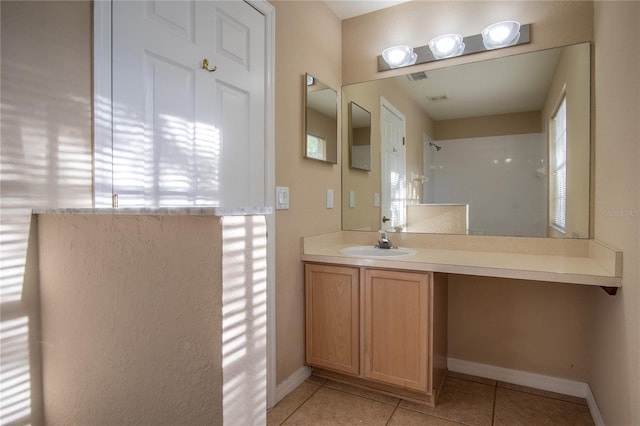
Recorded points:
(593, 266)
(164, 211)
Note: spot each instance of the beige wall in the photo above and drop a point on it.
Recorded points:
(45, 153)
(490, 125)
(615, 326)
(308, 39)
(140, 324)
(523, 325)
(131, 319)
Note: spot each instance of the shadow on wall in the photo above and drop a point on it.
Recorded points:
(244, 315)
(45, 162)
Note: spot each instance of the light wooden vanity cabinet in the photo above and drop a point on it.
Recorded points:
(332, 317)
(380, 329)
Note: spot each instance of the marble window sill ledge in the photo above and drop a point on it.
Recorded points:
(163, 211)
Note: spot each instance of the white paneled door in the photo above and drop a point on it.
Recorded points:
(393, 166)
(188, 103)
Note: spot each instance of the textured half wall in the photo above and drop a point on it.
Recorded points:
(132, 324)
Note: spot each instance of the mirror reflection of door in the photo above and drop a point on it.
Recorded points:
(359, 137)
(393, 167)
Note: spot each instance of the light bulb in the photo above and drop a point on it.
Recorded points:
(501, 34)
(446, 46)
(399, 56)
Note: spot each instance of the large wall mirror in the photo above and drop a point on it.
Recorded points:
(495, 147)
(320, 139)
(359, 137)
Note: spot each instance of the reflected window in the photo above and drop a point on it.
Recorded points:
(558, 163)
(316, 147)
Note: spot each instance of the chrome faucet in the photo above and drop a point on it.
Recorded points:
(383, 241)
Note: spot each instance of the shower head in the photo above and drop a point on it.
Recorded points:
(438, 147)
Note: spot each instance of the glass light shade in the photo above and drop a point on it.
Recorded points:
(446, 46)
(501, 34)
(399, 56)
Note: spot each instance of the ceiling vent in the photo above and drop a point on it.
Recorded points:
(437, 98)
(417, 76)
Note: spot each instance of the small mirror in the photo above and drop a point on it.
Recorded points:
(359, 137)
(321, 121)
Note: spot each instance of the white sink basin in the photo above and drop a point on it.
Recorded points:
(375, 252)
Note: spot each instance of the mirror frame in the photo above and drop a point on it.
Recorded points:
(331, 151)
(364, 167)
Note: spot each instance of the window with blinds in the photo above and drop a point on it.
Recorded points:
(558, 167)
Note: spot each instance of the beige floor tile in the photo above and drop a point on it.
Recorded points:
(291, 403)
(317, 380)
(461, 401)
(540, 392)
(515, 408)
(403, 417)
(333, 407)
(362, 392)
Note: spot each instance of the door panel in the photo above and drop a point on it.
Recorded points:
(176, 16)
(396, 328)
(233, 103)
(240, 96)
(169, 117)
(332, 317)
(233, 39)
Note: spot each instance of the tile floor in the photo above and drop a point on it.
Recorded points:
(465, 400)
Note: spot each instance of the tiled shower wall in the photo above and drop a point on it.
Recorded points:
(502, 178)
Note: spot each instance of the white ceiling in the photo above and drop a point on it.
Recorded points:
(345, 9)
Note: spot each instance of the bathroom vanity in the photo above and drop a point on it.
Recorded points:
(380, 322)
(377, 328)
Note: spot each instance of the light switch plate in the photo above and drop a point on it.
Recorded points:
(282, 197)
(376, 199)
(329, 198)
(352, 199)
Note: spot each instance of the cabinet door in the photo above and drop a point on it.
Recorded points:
(332, 317)
(396, 328)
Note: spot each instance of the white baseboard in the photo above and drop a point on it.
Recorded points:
(292, 382)
(593, 407)
(532, 380)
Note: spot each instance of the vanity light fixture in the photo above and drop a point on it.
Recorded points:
(446, 46)
(501, 34)
(310, 80)
(399, 56)
(495, 36)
